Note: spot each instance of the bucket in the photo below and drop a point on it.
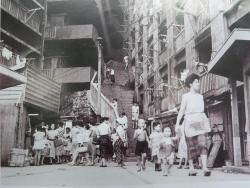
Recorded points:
(17, 157)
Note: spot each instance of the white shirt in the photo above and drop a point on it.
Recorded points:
(103, 129)
(135, 109)
(121, 133)
(194, 103)
(80, 136)
(112, 72)
(125, 124)
(125, 59)
(86, 135)
(75, 132)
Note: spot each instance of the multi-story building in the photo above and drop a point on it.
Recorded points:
(22, 41)
(168, 37)
(55, 47)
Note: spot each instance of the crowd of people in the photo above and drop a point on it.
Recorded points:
(89, 143)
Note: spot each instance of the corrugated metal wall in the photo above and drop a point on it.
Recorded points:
(42, 91)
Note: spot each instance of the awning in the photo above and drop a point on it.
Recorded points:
(228, 60)
(9, 78)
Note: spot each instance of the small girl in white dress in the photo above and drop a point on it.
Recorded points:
(38, 144)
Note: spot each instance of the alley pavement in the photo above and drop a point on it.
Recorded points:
(92, 177)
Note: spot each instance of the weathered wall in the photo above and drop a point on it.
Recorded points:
(9, 118)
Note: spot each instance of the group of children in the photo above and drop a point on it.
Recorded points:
(80, 139)
(162, 146)
(50, 143)
(64, 144)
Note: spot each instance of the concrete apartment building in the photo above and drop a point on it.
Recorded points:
(166, 37)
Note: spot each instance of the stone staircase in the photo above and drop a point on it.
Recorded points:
(124, 94)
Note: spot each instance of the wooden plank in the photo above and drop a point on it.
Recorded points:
(213, 154)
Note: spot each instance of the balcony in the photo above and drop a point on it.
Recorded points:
(71, 32)
(9, 78)
(238, 13)
(41, 91)
(18, 11)
(70, 75)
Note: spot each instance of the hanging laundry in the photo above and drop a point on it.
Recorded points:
(7, 54)
(20, 61)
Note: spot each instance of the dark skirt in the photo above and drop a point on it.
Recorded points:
(112, 77)
(196, 146)
(119, 150)
(141, 147)
(106, 148)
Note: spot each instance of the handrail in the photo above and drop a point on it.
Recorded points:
(107, 109)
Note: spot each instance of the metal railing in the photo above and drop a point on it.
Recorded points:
(107, 109)
(180, 41)
(21, 13)
(50, 32)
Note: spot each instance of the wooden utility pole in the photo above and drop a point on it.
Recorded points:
(99, 74)
(43, 26)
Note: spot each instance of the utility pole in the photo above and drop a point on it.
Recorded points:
(43, 26)
(99, 74)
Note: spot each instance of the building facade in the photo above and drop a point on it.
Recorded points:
(50, 51)
(165, 38)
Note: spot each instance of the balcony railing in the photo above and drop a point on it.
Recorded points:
(211, 82)
(107, 109)
(18, 11)
(180, 41)
(71, 32)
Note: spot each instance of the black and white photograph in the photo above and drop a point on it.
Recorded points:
(125, 93)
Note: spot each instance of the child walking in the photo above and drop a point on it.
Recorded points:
(155, 138)
(166, 152)
(141, 146)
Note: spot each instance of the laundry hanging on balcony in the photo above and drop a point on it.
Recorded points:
(7, 54)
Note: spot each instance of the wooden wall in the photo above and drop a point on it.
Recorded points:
(8, 116)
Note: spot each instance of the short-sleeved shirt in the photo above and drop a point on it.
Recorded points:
(103, 129)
